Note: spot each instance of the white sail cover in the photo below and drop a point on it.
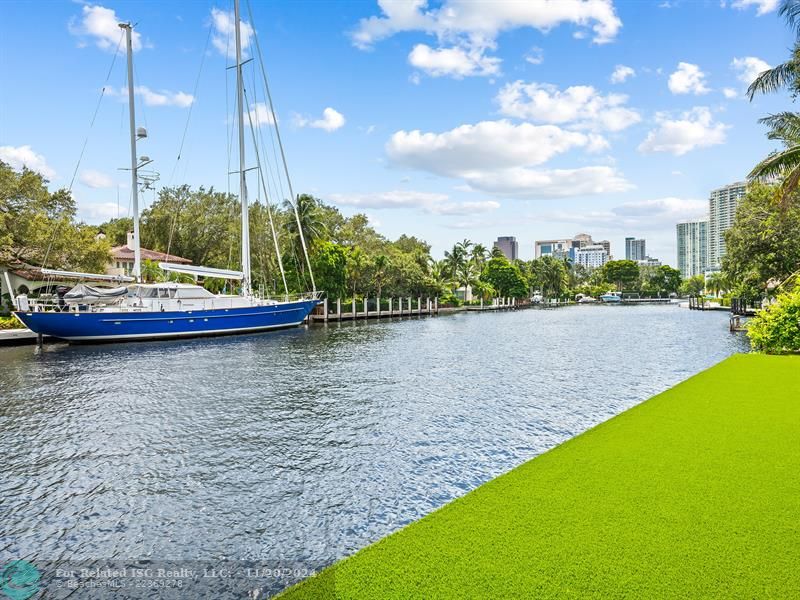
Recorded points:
(201, 271)
(86, 294)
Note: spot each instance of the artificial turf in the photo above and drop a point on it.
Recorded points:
(694, 493)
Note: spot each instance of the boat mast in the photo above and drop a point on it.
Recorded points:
(137, 253)
(242, 178)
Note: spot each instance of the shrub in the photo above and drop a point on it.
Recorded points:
(9, 323)
(776, 329)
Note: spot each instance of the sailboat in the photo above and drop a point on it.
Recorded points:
(168, 310)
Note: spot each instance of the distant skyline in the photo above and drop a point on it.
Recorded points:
(445, 120)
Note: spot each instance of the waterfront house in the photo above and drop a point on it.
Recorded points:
(122, 258)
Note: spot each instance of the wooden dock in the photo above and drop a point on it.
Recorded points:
(378, 308)
(18, 337)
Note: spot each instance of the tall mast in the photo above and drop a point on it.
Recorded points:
(242, 178)
(137, 252)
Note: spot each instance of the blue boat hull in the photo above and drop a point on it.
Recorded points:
(130, 326)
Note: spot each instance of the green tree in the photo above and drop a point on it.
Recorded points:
(39, 227)
(762, 245)
(505, 278)
(549, 275)
(380, 268)
(622, 273)
(784, 126)
(693, 286)
(330, 268)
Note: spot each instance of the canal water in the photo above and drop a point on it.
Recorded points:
(300, 447)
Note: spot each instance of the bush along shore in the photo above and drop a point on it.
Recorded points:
(692, 494)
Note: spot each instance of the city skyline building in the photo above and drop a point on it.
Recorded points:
(692, 239)
(591, 257)
(722, 205)
(509, 246)
(635, 249)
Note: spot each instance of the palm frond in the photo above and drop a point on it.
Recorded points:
(772, 80)
(790, 11)
(784, 126)
(776, 164)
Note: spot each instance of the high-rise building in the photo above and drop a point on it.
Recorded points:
(635, 249)
(556, 248)
(592, 257)
(566, 248)
(722, 205)
(508, 246)
(692, 247)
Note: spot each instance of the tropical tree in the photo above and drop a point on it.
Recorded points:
(693, 286)
(505, 278)
(311, 223)
(785, 126)
(716, 283)
(549, 275)
(478, 256)
(622, 273)
(380, 268)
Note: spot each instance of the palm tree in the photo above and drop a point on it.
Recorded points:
(311, 224)
(440, 275)
(455, 260)
(785, 126)
(716, 283)
(478, 255)
(551, 276)
(381, 266)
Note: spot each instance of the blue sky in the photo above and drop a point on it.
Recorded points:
(446, 120)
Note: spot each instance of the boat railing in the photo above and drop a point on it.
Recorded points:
(293, 297)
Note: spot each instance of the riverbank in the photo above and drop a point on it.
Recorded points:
(693, 493)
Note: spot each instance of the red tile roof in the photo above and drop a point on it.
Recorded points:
(125, 253)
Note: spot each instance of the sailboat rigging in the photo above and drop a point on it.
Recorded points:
(169, 310)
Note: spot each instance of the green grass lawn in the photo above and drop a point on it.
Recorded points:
(692, 494)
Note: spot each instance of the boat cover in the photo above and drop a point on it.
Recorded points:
(87, 294)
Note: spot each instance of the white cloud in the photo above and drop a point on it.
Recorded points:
(331, 120)
(432, 203)
(670, 208)
(535, 56)
(465, 29)
(102, 24)
(224, 37)
(730, 93)
(496, 156)
(762, 6)
(96, 179)
(100, 212)
(153, 98)
(580, 105)
(457, 62)
(694, 129)
(688, 79)
(748, 68)
(621, 73)
(260, 115)
(24, 156)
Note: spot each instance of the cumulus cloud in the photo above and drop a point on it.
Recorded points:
(621, 73)
(465, 29)
(748, 68)
(429, 202)
(331, 120)
(96, 179)
(98, 212)
(730, 93)
(688, 79)
(155, 98)
(24, 156)
(497, 156)
(102, 25)
(695, 128)
(581, 106)
(762, 6)
(260, 115)
(456, 62)
(224, 35)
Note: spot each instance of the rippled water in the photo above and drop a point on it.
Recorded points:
(306, 445)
